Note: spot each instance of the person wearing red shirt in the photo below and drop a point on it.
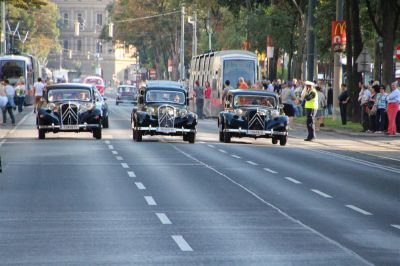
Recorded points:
(207, 99)
(242, 84)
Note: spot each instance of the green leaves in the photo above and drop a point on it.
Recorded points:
(27, 4)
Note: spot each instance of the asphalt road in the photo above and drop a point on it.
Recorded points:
(71, 199)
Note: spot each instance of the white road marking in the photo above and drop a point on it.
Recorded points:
(131, 174)
(211, 146)
(396, 226)
(321, 193)
(114, 152)
(252, 163)
(293, 180)
(2, 142)
(163, 218)
(354, 208)
(125, 165)
(201, 142)
(235, 156)
(181, 242)
(107, 142)
(119, 158)
(283, 213)
(150, 201)
(271, 171)
(111, 147)
(140, 185)
(19, 123)
(223, 151)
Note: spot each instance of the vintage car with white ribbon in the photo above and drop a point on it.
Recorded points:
(70, 108)
(252, 113)
(162, 109)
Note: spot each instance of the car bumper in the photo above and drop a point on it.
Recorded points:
(167, 130)
(256, 133)
(82, 127)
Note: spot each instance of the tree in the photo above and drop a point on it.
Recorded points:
(27, 4)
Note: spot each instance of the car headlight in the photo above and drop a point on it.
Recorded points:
(275, 113)
(261, 112)
(51, 106)
(86, 107)
(238, 112)
(150, 110)
(183, 112)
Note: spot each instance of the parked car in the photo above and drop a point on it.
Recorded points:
(163, 110)
(70, 108)
(126, 94)
(252, 113)
(97, 81)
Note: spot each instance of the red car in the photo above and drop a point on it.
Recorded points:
(97, 81)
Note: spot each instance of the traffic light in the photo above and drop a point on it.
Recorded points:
(110, 29)
(76, 28)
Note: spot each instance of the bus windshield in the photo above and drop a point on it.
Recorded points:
(12, 70)
(234, 69)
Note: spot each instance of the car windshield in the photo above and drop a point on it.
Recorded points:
(55, 95)
(94, 81)
(127, 90)
(161, 96)
(255, 100)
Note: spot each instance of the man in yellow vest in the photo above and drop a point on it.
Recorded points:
(310, 95)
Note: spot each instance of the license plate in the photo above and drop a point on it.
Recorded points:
(255, 132)
(70, 127)
(166, 130)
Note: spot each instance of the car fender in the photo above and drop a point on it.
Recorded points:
(277, 122)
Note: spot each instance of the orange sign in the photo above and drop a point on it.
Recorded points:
(339, 36)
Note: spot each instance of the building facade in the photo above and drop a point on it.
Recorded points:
(87, 54)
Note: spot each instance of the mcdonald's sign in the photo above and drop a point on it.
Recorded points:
(339, 36)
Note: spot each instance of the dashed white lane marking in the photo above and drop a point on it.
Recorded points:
(211, 146)
(140, 185)
(20, 123)
(2, 142)
(115, 152)
(181, 242)
(107, 142)
(396, 226)
(235, 156)
(271, 171)
(223, 151)
(354, 208)
(321, 193)
(163, 218)
(150, 201)
(111, 147)
(201, 142)
(125, 165)
(293, 180)
(119, 158)
(252, 163)
(131, 174)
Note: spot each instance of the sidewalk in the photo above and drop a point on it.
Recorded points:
(5, 129)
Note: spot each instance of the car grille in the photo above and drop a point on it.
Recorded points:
(69, 114)
(255, 120)
(166, 116)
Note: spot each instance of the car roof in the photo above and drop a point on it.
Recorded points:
(164, 84)
(70, 86)
(252, 92)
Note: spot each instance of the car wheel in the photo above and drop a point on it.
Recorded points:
(97, 133)
(185, 137)
(105, 122)
(221, 133)
(116, 103)
(42, 134)
(192, 137)
(283, 140)
(274, 140)
(227, 137)
(138, 135)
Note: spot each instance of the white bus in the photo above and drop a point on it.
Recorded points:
(217, 67)
(15, 67)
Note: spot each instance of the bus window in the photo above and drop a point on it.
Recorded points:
(234, 69)
(12, 70)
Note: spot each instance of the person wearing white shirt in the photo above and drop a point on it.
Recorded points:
(10, 93)
(38, 88)
(363, 98)
(393, 100)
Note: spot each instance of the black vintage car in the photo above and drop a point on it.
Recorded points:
(252, 113)
(163, 110)
(70, 108)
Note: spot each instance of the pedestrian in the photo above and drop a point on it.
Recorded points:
(38, 88)
(227, 88)
(199, 95)
(10, 93)
(288, 98)
(321, 109)
(363, 98)
(381, 105)
(372, 108)
(310, 96)
(344, 99)
(329, 100)
(393, 100)
(207, 99)
(242, 84)
(20, 92)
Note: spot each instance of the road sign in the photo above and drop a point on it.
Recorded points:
(364, 61)
(398, 52)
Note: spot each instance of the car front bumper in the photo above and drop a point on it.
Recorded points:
(256, 133)
(167, 130)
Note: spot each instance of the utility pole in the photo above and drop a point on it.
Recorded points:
(209, 29)
(310, 39)
(3, 27)
(337, 66)
(182, 60)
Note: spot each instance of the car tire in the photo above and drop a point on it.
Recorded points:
(138, 136)
(97, 133)
(105, 122)
(283, 140)
(221, 132)
(185, 137)
(116, 103)
(41, 134)
(227, 137)
(191, 137)
(274, 140)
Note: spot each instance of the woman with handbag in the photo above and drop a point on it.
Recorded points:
(372, 108)
(380, 105)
